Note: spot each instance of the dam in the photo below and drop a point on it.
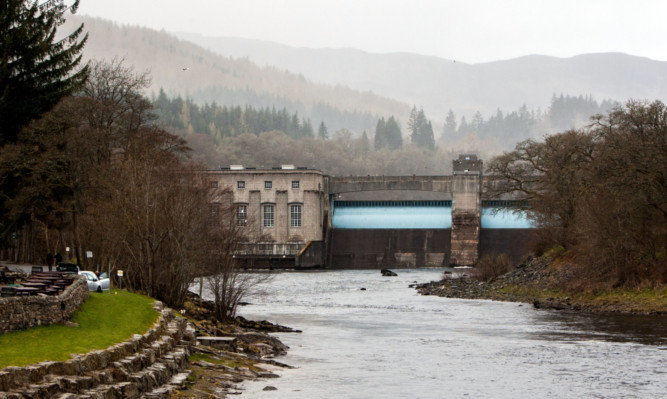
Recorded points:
(296, 217)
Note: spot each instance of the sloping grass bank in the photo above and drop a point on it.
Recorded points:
(103, 320)
(545, 283)
(618, 300)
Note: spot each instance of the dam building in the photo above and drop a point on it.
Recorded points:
(294, 217)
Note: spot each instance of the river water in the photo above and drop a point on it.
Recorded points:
(389, 342)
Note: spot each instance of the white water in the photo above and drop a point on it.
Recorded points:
(390, 342)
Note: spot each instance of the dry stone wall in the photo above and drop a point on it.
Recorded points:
(19, 313)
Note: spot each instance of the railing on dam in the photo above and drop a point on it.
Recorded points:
(348, 204)
(269, 249)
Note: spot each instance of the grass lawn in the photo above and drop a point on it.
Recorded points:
(103, 320)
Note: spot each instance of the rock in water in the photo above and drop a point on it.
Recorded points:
(388, 273)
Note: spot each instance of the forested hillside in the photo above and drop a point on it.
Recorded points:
(212, 100)
(182, 68)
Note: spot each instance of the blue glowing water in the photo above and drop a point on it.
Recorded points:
(504, 220)
(419, 217)
(393, 217)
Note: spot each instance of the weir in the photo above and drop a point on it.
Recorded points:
(298, 217)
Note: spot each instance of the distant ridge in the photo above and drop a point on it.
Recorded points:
(189, 70)
(439, 84)
(364, 86)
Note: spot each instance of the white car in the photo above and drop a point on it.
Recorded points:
(94, 283)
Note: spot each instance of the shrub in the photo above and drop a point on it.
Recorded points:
(491, 266)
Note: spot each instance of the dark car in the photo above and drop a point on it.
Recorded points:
(67, 267)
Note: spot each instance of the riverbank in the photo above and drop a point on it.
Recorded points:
(539, 281)
(229, 353)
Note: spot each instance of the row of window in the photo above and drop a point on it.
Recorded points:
(240, 184)
(268, 215)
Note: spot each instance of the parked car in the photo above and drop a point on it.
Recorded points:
(94, 283)
(67, 267)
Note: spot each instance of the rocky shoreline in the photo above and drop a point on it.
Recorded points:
(227, 354)
(533, 281)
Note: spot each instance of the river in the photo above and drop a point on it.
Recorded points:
(389, 342)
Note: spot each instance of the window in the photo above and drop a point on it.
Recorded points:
(241, 215)
(240, 184)
(268, 215)
(295, 215)
(214, 184)
(295, 184)
(268, 184)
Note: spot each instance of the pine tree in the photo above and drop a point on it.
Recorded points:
(323, 132)
(306, 129)
(36, 71)
(449, 129)
(380, 140)
(421, 129)
(394, 135)
(364, 144)
(428, 139)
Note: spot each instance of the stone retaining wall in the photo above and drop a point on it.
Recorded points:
(20, 313)
(140, 366)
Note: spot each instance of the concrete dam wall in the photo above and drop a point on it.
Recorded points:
(374, 249)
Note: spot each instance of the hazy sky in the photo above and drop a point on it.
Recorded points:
(467, 30)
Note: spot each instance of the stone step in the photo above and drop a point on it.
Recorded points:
(77, 383)
(41, 391)
(179, 379)
(150, 378)
(165, 391)
(124, 390)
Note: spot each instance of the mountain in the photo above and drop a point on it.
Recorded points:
(440, 84)
(182, 68)
(348, 88)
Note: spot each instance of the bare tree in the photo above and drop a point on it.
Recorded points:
(548, 176)
(220, 267)
(601, 192)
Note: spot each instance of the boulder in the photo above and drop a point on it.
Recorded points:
(388, 273)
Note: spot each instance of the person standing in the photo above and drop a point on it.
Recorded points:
(59, 258)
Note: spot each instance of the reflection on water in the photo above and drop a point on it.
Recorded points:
(645, 330)
(389, 342)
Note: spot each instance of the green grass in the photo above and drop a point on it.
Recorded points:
(104, 320)
(646, 300)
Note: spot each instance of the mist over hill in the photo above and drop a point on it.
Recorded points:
(439, 84)
(350, 90)
(182, 68)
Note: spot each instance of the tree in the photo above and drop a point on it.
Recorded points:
(421, 130)
(393, 133)
(364, 144)
(380, 140)
(323, 132)
(36, 71)
(216, 261)
(600, 192)
(622, 216)
(477, 122)
(548, 176)
(449, 129)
